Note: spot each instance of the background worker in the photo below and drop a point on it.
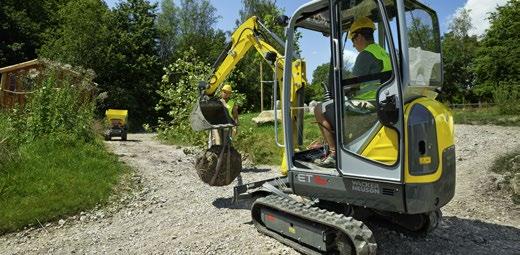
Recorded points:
(372, 58)
(232, 109)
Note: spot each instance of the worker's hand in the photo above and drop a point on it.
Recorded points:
(234, 132)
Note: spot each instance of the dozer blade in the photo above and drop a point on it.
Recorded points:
(311, 230)
(210, 114)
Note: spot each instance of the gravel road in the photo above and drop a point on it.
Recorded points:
(172, 212)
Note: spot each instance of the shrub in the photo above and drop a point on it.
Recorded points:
(61, 102)
(507, 97)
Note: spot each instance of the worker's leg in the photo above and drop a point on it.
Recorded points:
(325, 126)
(321, 114)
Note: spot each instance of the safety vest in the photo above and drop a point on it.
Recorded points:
(229, 105)
(368, 91)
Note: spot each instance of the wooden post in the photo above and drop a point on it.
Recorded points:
(261, 89)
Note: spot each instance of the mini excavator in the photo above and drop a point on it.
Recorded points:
(395, 160)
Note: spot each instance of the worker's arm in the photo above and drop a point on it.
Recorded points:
(235, 118)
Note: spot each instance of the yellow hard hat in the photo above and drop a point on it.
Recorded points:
(227, 88)
(361, 22)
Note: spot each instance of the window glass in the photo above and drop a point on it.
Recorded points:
(366, 53)
(423, 47)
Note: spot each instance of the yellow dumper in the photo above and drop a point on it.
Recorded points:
(117, 124)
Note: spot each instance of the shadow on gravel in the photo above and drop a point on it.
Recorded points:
(255, 170)
(222, 202)
(453, 236)
(133, 140)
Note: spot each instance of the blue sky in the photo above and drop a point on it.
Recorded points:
(228, 12)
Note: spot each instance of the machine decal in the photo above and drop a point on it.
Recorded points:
(320, 180)
(366, 187)
(425, 160)
(309, 178)
(304, 177)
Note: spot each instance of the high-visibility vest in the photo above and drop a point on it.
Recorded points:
(381, 54)
(368, 91)
(229, 105)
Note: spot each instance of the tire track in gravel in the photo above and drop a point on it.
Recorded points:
(175, 213)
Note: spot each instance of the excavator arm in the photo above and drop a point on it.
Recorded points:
(247, 36)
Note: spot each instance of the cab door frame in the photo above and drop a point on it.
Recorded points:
(350, 164)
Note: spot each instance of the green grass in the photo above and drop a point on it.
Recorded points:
(52, 178)
(259, 144)
(484, 116)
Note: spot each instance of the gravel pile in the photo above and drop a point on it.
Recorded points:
(170, 211)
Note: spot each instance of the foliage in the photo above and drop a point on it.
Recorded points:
(485, 116)
(507, 97)
(133, 74)
(61, 102)
(178, 91)
(23, 25)
(497, 58)
(189, 25)
(459, 51)
(55, 176)
(51, 164)
(83, 37)
(319, 76)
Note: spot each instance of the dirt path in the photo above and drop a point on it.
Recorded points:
(174, 213)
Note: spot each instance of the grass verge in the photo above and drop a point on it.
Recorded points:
(484, 116)
(508, 165)
(54, 177)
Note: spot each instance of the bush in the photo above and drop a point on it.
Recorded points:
(59, 103)
(178, 92)
(507, 97)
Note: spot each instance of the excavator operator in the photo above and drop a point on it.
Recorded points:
(372, 59)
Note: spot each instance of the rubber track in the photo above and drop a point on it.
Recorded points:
(360, 235)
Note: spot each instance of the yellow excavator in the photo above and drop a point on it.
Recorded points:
(394, 161)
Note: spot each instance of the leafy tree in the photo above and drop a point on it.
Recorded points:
(498, 57)
(189, 25)
(459, 52)
(168, 28)
(177, 94)
(83, 37)
(23, 25)
(134, 70)
(319, 76)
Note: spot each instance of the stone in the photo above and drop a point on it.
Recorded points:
(61, 222)
(266, 117)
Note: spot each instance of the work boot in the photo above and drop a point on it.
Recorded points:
(328, 162)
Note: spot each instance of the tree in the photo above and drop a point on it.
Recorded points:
(459, 52)
(498, 58)
(132, 76)
(319, 76)
(190, 25)
(168, 28)
(83, 37)
(23, 25)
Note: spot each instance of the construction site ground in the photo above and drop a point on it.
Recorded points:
(170, 211)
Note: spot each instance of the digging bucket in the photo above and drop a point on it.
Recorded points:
(210, 113)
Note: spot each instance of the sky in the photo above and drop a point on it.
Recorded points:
(446, 10)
